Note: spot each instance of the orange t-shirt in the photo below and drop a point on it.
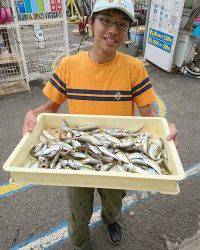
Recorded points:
(103, 89)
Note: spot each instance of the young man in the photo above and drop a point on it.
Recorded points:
(101, 81)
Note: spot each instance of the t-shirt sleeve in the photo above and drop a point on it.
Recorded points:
(142, 89)
(55, 88)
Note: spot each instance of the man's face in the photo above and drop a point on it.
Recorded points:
(110, 30)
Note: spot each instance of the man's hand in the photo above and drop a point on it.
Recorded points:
(173, 134)
(29, 122)
(30, 117)
(150, 112)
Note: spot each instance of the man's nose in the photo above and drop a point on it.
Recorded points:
(113, 29)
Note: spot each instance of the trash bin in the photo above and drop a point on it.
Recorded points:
(137, 34)
(134, 49)
(136, 37)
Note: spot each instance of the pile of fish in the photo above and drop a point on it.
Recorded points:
(99, 149)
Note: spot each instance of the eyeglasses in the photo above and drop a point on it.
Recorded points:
(108, 22)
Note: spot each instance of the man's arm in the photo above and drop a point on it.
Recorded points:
(30, 117)
(148, 111)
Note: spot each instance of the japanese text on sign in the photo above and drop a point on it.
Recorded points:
(160, 40)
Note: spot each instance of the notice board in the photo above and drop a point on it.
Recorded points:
(164, 22)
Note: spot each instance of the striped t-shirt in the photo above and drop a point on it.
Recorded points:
(103, 89)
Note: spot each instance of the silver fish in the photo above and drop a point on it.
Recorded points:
(74, 164)
(134, 168)
(65, 126)
(135, 155)
(55, 160)
(154, 148)
(89, 139)
(106, 159)
(48, 135)
(64, 163)
(46, 151)
(121, 168)
(151, 171)
(147, 162)
(80, 155)
(58, 165)
(107, 152)
(94, 149)
(117, 134)
(126, 144)
(122, 157)
(75, 143)
(85, 128)
(38, 147)
(66, 145)
(112, 139)
(97, 167)
(43, 162)
(106, 167)
(91, 160)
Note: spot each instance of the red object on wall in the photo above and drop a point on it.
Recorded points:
(53, 5)
(56, 5)
(59, 5)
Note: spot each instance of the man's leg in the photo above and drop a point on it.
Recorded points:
(111, 204)
(80, 202)
(111, 209)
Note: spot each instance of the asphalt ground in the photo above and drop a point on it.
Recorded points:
(35, 217)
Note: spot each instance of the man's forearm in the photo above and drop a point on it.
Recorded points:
(48, 107)
(148, 111)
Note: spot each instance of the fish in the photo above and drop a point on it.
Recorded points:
(86, 128)
(106, 167)
(48, 135)
(94, 149)
(147, 162)
(89, 139)
(154, 148)
(43, 162)
(79, 155)
(58, 165)
(107, 152)
(106, 159)
(112, 139)
(100, 149)
(126, 144)
(55, 160)
(135, 155)
(97, 167)
(134, 168)
(122, 157)
(75, 143)
(91, 161)
(74, 164)
(46, 151)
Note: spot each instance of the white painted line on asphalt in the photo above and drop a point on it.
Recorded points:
(193, 170)
(45, 241)
(58, 235)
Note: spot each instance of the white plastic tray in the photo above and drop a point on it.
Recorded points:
(167, 184)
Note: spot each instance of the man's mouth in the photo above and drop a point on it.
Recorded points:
(110, 40)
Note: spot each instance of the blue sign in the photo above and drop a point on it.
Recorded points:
(161, 40)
